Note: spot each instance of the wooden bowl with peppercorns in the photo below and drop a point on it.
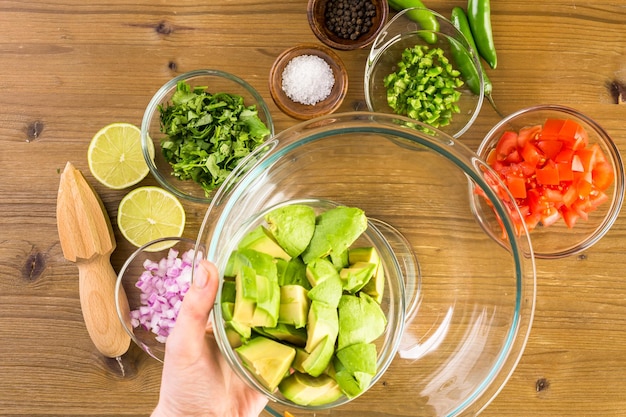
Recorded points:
(308, 81)
(347, 24)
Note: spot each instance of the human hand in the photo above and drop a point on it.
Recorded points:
(196, 379)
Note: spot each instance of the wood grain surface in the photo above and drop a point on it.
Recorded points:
(69, 67)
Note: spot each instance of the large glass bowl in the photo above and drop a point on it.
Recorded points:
(468, 295)
(402, 31)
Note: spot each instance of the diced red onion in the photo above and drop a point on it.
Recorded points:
(163, 285)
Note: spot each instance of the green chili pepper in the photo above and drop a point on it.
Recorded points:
(459, 20)
(479, 16)
(425, 18)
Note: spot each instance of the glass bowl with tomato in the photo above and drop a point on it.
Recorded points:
(562, 170)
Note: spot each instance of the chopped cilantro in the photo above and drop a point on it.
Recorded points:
(208, 134)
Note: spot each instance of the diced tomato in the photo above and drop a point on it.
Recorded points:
(527, 133)
(564, 156)
(587, 159)
(550, 148)
(506, 145)
(516, 184)
(602, 175)
(552, 172)
(550, 216)
(532, 154)
(569, 216)
(548, 175)
(551, 129)
(565, 171)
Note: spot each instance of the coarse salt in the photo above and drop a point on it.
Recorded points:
(307, 79)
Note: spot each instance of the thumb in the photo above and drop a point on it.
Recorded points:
(197, 305)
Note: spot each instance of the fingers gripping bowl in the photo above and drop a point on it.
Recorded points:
(458, 303)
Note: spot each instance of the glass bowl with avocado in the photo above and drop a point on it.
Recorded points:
(355, 277)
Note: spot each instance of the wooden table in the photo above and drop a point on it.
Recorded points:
(67, 68)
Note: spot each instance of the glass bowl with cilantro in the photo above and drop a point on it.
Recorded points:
(422, 67)
(202, 124)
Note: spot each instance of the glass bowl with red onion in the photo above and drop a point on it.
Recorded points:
(155, 278)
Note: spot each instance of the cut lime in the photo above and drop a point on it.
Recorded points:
(115, 156)
(149, 213)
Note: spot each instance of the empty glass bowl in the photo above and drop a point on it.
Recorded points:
(559, 240)
(402, 32)
(468, 296)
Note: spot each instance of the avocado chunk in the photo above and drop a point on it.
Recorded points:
(292, 272)
(285, 333)
(340, 260)
(257, 301)
(261, 240)
(246, 296)
(294, 306)
(267, 359)
(301, 356)
(319, 270)
(361, 320)
(303, 389)
(319, 359)
(267, 302)
(292, 226)
(328, 291)
(228, 310)
(263, 263)
(335, 231)
(322, 323)
(236, 333)
(324, 278)
(229, 291)
(355, 367)
(375, 287)
(354, 277)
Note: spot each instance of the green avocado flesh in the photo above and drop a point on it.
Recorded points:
(301, 303)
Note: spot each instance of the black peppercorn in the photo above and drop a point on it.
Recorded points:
(349, 19)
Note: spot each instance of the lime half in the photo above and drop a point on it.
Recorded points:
(149, 213)
(115, 157)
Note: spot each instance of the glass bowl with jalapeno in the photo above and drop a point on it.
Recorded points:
(563, 171)
(202, 124)
(421, 66)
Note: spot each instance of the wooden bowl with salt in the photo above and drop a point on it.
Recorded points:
(308, 81)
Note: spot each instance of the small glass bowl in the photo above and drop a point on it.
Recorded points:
(130, 279)
(316, 10)
(216, 82)
(558, 240)
(468, 298)
(400, 33)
